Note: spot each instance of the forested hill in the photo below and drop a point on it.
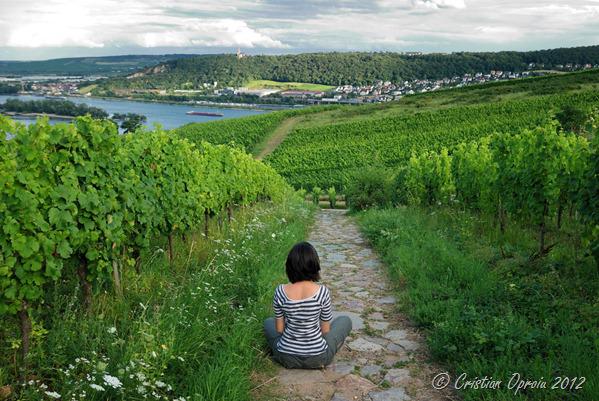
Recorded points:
(108, 65)
(348, 68)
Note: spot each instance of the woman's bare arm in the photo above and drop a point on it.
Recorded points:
(325, 327)
(279, 324)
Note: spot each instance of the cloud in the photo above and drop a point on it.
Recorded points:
(109, 23)
(435, 4)
(28, 27)
(208, 33)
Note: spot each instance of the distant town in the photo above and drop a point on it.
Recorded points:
(380, 91)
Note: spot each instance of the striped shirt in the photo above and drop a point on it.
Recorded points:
(302, 335)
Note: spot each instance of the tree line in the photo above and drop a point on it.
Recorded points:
(59, 107)
(347, 68)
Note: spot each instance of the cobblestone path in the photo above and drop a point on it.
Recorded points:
(384, 359)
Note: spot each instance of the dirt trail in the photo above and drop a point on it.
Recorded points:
(384, 359)
(277, 137)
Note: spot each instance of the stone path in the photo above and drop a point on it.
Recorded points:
(384, 359)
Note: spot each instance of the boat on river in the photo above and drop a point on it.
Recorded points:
(204, 113)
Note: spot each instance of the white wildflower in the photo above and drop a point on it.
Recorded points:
(141, 389)
(159, 384)
(96, 387)
(112, 381)
(111, 330)
(52, 394)
(274, 235)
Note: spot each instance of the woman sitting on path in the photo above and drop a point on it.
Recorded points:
(301, 335)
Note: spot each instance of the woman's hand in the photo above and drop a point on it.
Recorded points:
(325, 327)
(280, 324)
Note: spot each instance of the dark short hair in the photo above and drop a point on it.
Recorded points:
(302, 263)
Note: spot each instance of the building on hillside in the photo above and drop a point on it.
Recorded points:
(256, 92)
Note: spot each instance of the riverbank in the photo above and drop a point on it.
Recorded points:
(202, 103)
(17, 115)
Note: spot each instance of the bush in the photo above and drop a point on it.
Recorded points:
(316, 192)
(332, 197)
(368, 188)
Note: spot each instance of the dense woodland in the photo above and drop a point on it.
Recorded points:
(346, 68)
(7, 89)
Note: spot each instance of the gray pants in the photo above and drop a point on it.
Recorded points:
(340, 328)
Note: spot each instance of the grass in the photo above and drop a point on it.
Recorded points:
(485, 315)
(87, 89)
(265, 84)
(270, 142)
(189, 331)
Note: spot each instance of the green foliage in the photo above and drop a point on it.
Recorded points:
(370, 187)
(331, 154)
(129, 121)
(532, 176)
(81, 195)
(244, 131)
(427, 179)
(475, 175)
(60, 107)
(316, 192)
(107, 65)
(484, 316)
(8, 89)
(344, 68)
(332, 193)
(166, 334)
(572, 118)
(588, 198)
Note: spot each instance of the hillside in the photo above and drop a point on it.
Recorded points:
(109, 65)
(346, 68)
(327, 145)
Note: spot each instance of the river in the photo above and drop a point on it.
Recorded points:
(167, 114)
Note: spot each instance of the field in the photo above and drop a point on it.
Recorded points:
(302, 86)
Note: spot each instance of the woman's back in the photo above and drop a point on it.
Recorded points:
(302, 334)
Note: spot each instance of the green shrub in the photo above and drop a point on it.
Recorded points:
(332, 197)
(316, 192)
(368, 188)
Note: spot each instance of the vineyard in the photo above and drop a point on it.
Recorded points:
(549, 173)
(247, 132)
(82, 201)
(122, 257)
(329, 155)
(498, 242)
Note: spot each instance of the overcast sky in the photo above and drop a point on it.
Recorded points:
(32, 29)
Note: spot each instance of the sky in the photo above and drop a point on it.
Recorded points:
(33, 29)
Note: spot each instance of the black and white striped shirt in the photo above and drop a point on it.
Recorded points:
(302, 335)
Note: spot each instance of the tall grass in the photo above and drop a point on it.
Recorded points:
(187, 331)
(485, 315)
